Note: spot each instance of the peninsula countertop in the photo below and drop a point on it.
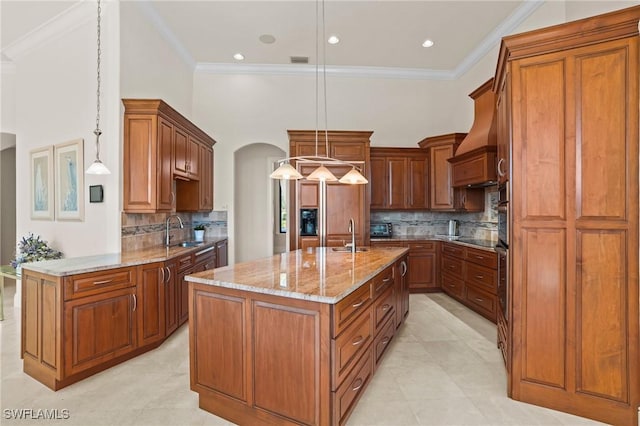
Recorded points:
(318, 274)
(83, 264)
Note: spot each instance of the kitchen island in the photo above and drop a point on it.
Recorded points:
(294, 338)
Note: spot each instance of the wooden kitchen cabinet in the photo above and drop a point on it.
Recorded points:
(161, 145)
(151, 296)
(423, 266)
(171, 297)
(399, 179)
(343, 201)
(572, 104)
(440, 149)
(468, 199)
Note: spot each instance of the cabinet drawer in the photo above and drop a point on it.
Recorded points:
(382, 281)
(482, 257)
(345, 398)
(350, 307)
(82, 285)
(387, 244)
(481, 301)
(453, 286)
(381, 343)
(420, 246)
(453, 250)
(348, 348)
(185, 263)
(384, 307)
(452, 266)
(482, 276)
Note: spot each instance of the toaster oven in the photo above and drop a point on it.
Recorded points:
(380, 230)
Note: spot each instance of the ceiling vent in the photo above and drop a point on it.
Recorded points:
(299, 59)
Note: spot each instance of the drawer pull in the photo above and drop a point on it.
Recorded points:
(358, 304)
(385, 307)
(478, 257)
(357, 341)
(479, 277)
(385, 341)
(357, 384)
(386, 280)
(135, 302)
(102, 282)
(479, 299)
(452, 285)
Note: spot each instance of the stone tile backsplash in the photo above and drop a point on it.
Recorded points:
(482, 225)
(143, 230)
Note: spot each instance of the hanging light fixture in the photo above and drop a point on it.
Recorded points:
(322, 174)
(97, 167)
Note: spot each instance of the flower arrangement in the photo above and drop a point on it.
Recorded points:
(199, 227)
(33, 248)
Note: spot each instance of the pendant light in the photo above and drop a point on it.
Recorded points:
(321, 174)
(97, 167)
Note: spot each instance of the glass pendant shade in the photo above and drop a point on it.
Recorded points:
(285, 171)
(354, 178)
(322, 174)
(97, 168)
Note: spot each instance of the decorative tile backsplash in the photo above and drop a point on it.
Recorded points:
(143, 230)
(482, 225)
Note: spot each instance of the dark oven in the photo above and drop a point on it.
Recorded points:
(503, 216)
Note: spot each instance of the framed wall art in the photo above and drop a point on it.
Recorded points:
(69, 171)
(42, 197)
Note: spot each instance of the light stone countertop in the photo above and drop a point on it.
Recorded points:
(83, 264)
(317, 274)
(487, 245)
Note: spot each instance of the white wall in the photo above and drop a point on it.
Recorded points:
(7, 98)
(253, 202)
(150, 68)
(55, 87)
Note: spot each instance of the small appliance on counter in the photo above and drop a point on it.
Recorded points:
(309, 222)
(380, 230)
(454, 228)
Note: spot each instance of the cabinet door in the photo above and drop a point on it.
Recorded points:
(206, 178)
(344, 202)
(183, 296)
(440, 173)
(422, 272)
(171, 297)
(151, 301)
(193, 165)
(397, 182)
(180, 153)
(417, 183)
(99, 328)
(378, 183)
(469, 199)
(504, 130)
(222, 253)
(165, 197)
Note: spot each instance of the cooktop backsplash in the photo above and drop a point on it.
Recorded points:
(483, 226)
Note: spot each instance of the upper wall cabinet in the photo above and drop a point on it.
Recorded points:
(161, 145)
(399, 179)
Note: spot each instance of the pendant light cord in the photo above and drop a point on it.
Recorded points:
(97, 132)
(324, 84)
(317, 77)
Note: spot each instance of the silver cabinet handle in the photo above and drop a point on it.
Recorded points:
(135, 302)
(102, 282)
(162, 275)
(205, 251)
(404, 268)
(358, 304)
(357, 341)
(499, 169)
(357, 384)
(168, 274)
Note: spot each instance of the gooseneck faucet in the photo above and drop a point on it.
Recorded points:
(352, 229)
(168, 236)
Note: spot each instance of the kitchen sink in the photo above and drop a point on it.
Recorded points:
(190, 243)
(348, 249)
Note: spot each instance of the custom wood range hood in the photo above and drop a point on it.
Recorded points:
(474, 162)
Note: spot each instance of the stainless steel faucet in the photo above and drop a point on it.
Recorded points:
(352, 229)
(168, 236)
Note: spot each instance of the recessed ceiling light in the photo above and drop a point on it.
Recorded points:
(238, 56)
(333, 40)
(427, 43)
(267, 38)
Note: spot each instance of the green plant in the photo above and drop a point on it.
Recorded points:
(200, 227)
(33, 248)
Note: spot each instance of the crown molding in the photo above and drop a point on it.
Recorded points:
(63, 23)
(493, 39)
(333, 70)
(152, 14)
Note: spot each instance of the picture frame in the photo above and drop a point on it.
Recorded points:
(42, 196)
(69, 182)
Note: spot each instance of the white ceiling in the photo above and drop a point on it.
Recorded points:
(373, 33)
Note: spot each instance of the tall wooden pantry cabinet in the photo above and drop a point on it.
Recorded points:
(573, 110)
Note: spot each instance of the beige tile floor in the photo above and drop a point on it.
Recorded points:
(443, 368)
